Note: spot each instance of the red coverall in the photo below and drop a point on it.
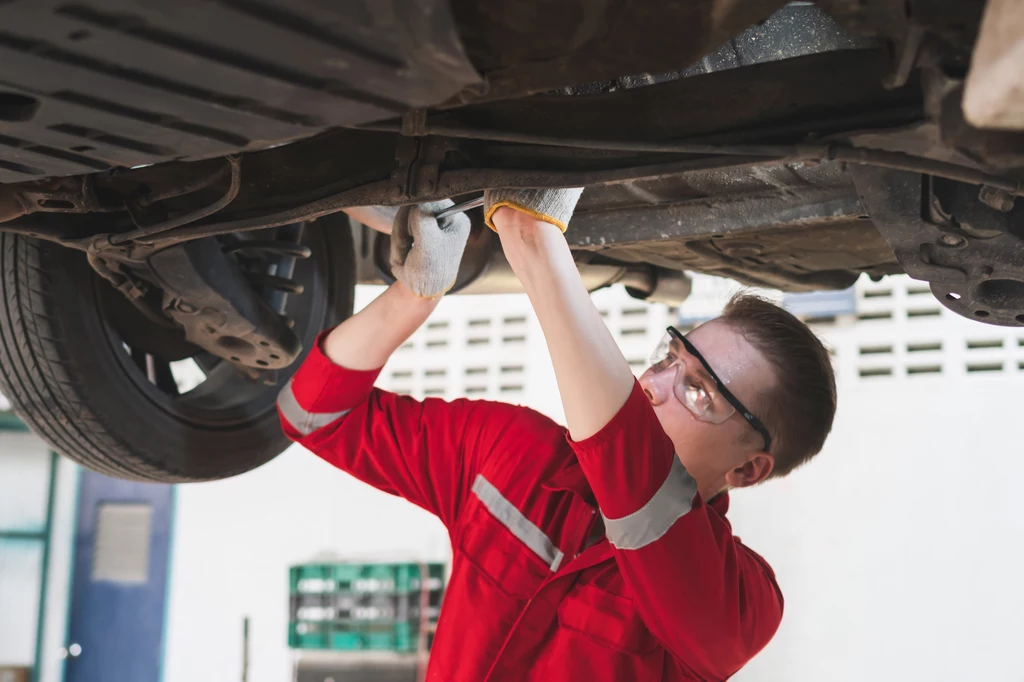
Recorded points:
(668, 594)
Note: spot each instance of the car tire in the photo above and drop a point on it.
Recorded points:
(73, 380)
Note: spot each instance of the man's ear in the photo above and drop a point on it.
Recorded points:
(757, 468)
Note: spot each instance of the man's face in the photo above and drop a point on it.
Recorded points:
(728, 454)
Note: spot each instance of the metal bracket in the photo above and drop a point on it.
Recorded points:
(970, 253)
(73, 194)
(406, 152)
(207, 294)
(418, 165)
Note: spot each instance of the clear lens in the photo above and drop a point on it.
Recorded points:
(697, 391)
(693, 386)
(661, 358)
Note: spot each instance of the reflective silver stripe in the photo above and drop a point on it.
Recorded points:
(520, 526)
(304, 421)
(672, 501)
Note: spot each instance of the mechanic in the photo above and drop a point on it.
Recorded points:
(594, 552)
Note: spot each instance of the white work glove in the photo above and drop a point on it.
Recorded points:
(553, 206)
(425, 255)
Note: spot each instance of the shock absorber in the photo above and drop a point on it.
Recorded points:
(277, 258)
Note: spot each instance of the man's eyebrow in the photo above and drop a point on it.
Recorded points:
(688, 359)
(693, 363)
(680, 346)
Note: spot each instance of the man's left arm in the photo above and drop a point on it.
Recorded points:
(711, 601)
(708, 599)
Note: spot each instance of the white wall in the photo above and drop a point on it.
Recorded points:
(898, 549)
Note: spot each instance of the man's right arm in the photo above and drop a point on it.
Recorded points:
(426, 451)
(366, 340)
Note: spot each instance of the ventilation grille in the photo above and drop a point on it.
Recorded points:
(900, 333)
(969, 350)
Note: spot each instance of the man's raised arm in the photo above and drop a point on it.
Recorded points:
(414, 449)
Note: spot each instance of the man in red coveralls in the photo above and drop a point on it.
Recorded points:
(594, 552)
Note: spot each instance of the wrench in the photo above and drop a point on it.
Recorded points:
(460, 208)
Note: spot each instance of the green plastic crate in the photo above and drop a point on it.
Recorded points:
(400, 637)
(361, 606)
(396, 578)
(299, 638)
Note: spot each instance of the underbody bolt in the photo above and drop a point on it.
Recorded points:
(951, 240)
(186, 308)
(997, 198)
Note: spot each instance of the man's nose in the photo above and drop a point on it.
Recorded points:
(658, 385)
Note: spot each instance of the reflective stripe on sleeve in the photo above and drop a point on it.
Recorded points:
(301, 419)
(670, 503)
(520, 526)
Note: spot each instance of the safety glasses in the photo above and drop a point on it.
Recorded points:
(697, 386)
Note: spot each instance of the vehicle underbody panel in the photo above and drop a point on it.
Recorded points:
(700, 149)
(89, 86)
(788, 227)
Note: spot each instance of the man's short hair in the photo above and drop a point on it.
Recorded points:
(799, 409)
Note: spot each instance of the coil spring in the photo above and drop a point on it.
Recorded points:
(286, 254)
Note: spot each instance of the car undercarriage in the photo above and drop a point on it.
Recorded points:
(191, 166)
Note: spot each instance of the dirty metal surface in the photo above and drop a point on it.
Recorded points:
(795, 227)
(88, 86)
(971, 254)
(532, 46)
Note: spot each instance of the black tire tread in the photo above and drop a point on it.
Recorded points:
(54, 379)
(37, 376)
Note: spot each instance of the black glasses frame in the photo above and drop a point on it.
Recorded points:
(726, 393)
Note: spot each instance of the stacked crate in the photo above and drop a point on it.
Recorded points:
(365, 606)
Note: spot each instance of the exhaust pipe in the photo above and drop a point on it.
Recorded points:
(655, 284)
(484, 269)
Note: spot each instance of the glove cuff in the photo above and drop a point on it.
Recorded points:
(433, 297)
(550, 206)
(528, 211)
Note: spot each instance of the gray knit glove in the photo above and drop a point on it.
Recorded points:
(553, 206)
(425, 255)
